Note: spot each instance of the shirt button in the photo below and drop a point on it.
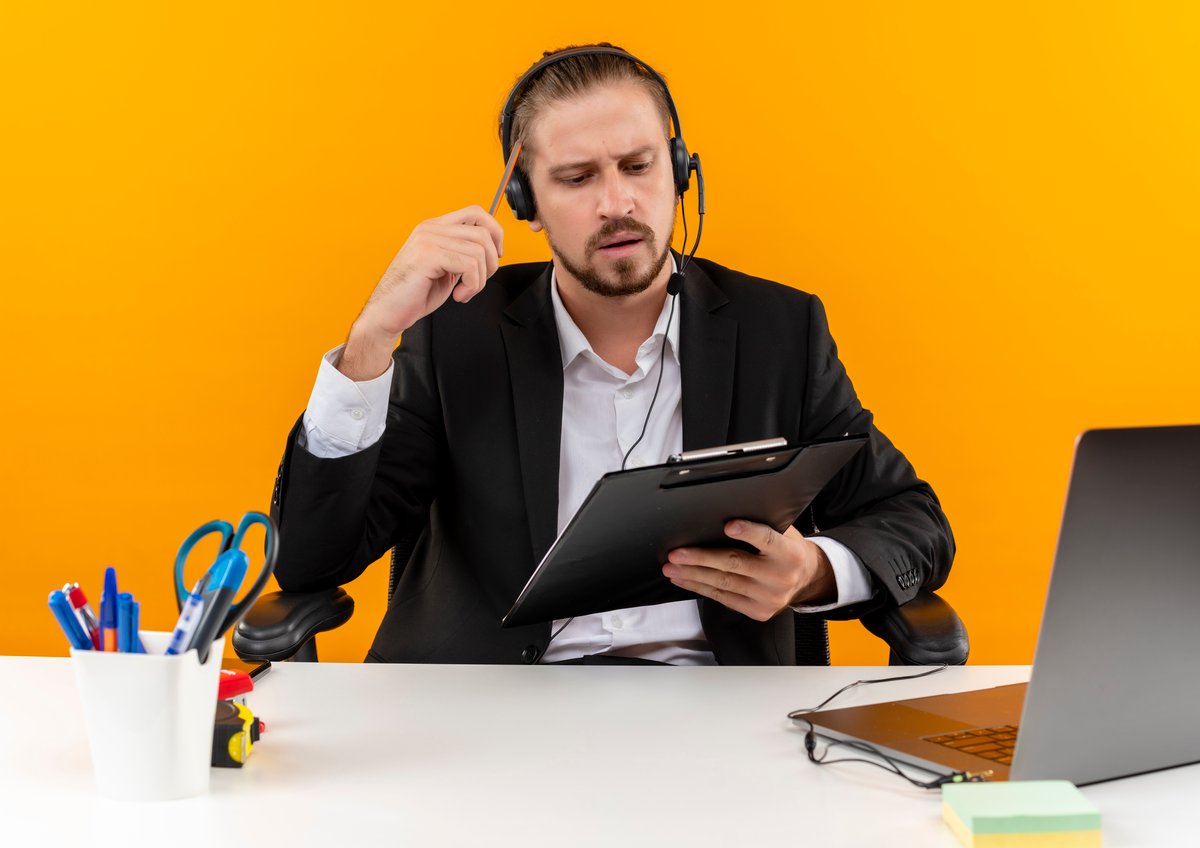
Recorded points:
(356, 414)
(616, 622)
(627, 393)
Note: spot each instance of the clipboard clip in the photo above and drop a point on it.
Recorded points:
(727, 450)
(748, 459)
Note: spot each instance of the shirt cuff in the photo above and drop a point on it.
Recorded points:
(853, 581)
(344, 417)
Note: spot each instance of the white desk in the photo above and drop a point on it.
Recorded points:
(512, 755)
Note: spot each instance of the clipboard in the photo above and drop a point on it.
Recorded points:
(610, 555)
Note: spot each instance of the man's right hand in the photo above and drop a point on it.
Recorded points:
(450, 256)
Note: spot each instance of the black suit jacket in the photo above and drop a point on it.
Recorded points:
(469, 462)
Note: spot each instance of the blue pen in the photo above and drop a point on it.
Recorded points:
(108, 611)
(188, 619)
(61, 607)
(135, 623)
(227, 572)
(125, 623)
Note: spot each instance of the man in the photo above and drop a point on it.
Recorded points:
(483, 432)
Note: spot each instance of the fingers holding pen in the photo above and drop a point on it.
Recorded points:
(468, 252)
(465, 242)
(452, 255)
(455, 266)
(476, 216)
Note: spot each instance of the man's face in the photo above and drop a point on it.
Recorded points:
(602, 180)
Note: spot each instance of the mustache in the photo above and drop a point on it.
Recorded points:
(623, 225)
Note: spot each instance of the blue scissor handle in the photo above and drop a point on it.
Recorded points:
(231, 544)
(227, 534)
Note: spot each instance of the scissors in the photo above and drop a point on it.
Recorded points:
(224, 577)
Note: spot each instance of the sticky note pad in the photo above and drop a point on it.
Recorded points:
(1021, 814)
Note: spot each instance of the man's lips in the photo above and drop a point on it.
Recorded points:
(621, 244)
(621, 248)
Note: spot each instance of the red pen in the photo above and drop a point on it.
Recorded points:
(83, 609)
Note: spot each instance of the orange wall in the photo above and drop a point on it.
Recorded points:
(997, 203)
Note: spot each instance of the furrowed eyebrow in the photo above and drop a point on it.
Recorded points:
(558, 170)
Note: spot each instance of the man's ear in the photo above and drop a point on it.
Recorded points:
(535, 225)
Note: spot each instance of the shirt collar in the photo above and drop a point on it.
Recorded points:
(571, 340)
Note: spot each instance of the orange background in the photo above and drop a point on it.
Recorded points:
(998, 204)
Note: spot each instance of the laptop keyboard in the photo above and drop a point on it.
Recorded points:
(991, 743)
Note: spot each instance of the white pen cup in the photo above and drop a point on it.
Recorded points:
(149, 719)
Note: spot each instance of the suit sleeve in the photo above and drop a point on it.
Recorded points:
(876, 505)
(337, 516)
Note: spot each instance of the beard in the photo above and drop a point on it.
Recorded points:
(629, 279)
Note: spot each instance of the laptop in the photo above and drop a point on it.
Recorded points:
(1115, 686)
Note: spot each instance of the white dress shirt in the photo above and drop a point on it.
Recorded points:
(604, 411)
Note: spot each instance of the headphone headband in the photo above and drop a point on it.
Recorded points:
(506, 114)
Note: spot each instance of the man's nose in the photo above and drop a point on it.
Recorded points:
(616, 196)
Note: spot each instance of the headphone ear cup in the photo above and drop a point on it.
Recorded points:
(519, 197)
(681, 165)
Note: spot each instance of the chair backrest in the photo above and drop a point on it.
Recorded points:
(812, 640)
(400, 556)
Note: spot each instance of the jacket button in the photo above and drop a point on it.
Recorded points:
(530, 655)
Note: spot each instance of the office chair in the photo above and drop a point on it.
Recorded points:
(283, 626)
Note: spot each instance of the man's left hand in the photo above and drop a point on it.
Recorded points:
(786, 570)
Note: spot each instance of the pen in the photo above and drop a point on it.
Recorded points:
(188, 619)
(228, 572)
(61, 607)
(508, 170)
(509, 166)
(108, 611)
(80, 603)
(135, 621)
(125, 623)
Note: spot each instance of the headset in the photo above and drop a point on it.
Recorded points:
(519, 192)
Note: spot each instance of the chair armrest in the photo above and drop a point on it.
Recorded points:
(280, 624)
(924, 631)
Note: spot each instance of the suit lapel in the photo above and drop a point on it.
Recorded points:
(535, 370)
(707, 343)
